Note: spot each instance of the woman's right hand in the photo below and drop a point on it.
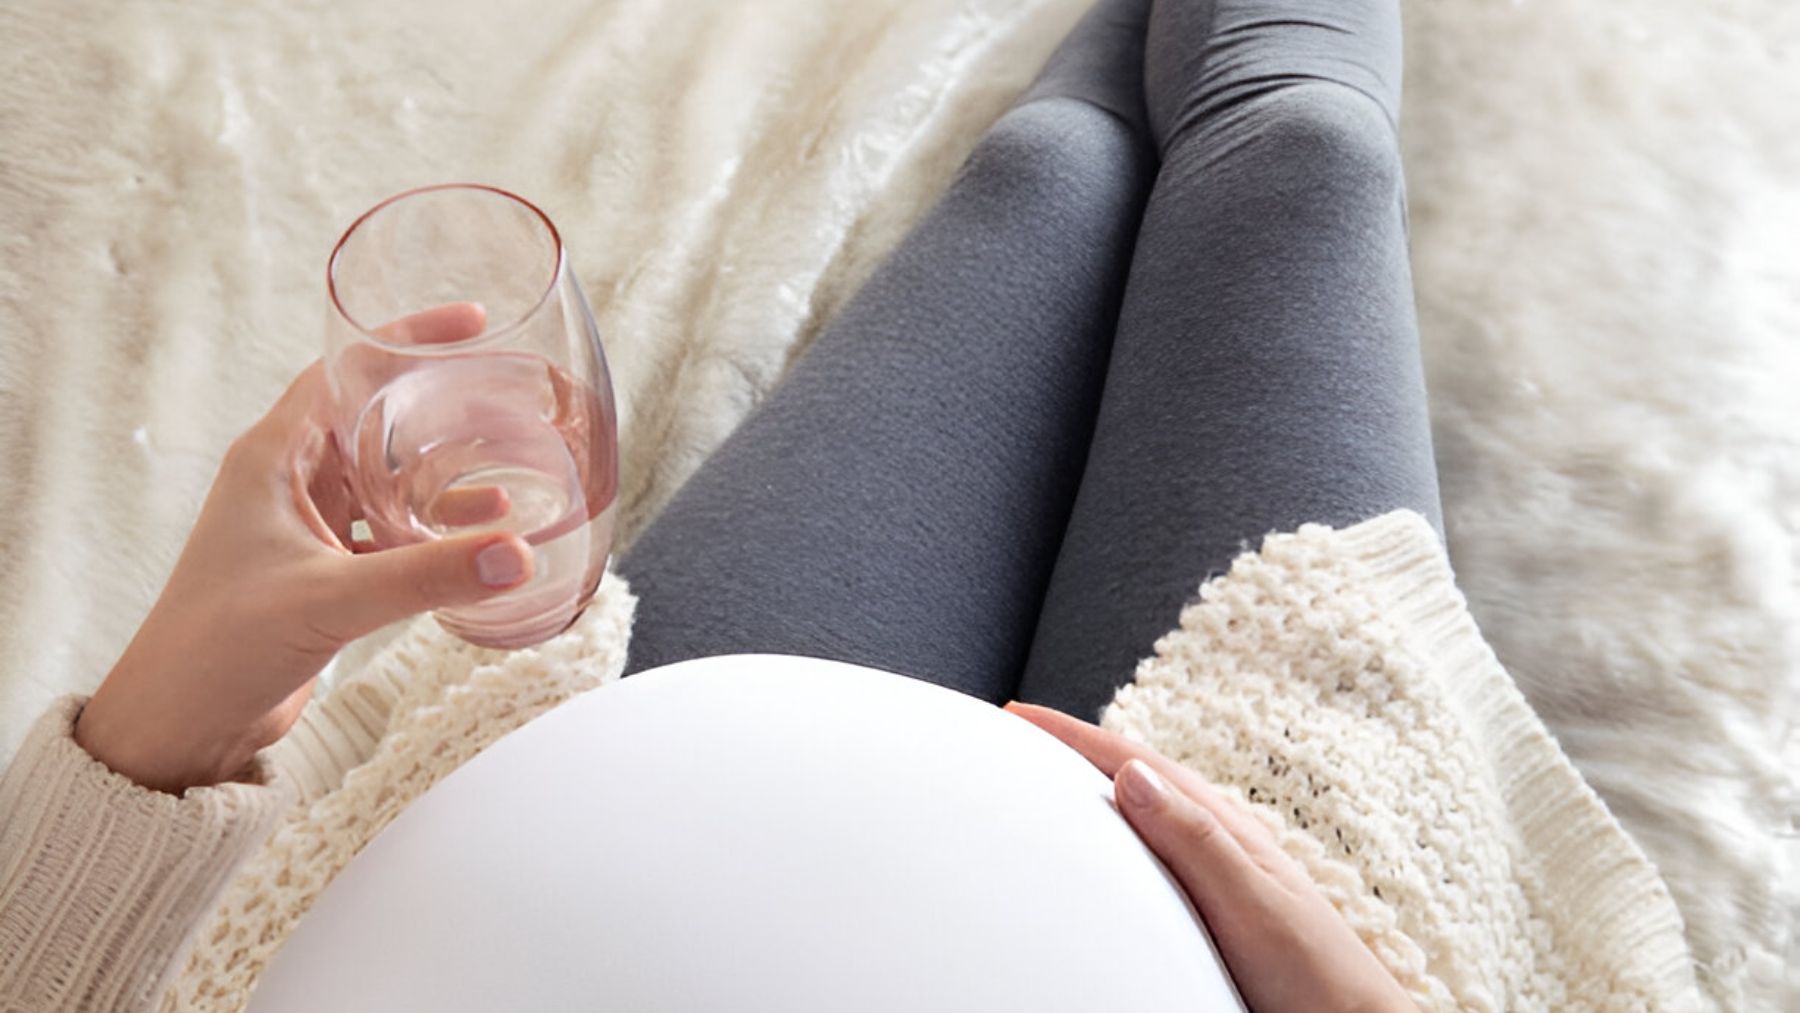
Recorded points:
(270, 586)
(1285, 945)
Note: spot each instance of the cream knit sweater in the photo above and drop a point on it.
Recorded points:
(1334, 679)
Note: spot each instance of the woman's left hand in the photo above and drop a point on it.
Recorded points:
(1285, 945)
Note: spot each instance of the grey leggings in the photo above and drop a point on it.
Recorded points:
(1165, 309)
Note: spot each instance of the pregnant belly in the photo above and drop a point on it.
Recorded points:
(757, 833)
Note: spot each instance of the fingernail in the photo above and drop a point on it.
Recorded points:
(500, 564)
(1142, 788)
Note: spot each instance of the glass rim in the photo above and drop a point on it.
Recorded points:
(486, 334)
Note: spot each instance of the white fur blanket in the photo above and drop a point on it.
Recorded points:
(1606, 223)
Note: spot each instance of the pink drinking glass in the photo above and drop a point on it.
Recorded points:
(470, 393)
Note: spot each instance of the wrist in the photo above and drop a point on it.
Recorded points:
(159, 755)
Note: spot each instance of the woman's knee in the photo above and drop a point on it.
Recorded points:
(1331, 122)
(1064, 151)
(1328, 132)
(1205, 58)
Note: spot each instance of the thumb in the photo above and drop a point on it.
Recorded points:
(394, 584)
(1212, 867)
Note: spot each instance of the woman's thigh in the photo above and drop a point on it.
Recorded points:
(899, 499)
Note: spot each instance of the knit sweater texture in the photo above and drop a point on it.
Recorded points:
(1334, 681)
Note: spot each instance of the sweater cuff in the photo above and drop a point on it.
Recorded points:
(102, 880)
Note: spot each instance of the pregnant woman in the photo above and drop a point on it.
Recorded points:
(1164, 311)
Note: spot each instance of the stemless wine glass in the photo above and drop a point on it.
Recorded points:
(470, 393)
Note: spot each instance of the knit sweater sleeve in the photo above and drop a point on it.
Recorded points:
(102, 882)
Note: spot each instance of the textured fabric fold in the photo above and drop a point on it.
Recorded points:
(100, 878)
(1336, 681)
(1597, 884)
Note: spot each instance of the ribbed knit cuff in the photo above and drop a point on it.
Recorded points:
(1600, 884)
(335, 735)
(102, 881)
